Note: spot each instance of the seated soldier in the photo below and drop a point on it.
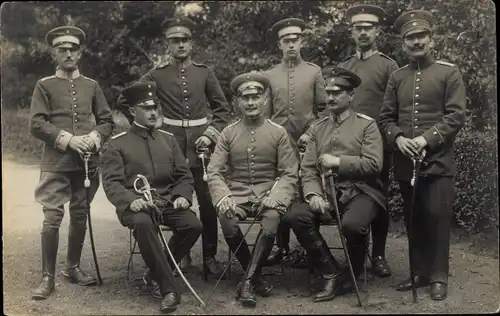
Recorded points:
(250, 155)
(155, 154)
(350, 145)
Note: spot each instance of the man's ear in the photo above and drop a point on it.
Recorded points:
(131, 110)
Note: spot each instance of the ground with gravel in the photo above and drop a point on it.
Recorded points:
(473, 282)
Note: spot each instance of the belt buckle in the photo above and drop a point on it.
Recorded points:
(185, 123)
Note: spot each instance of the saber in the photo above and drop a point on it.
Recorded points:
(261, 207)
(339, 227)
(202, 154)
(86, 183)
(417, 164)
(146, 190)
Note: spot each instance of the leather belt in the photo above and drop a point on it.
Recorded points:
(185, 123)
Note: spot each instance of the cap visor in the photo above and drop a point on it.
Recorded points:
(363, 23)
(66, 45)
(178, 35)
(250, 91)
(290, 36)
(417, 30)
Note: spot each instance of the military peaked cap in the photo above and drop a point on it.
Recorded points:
(366, 14)
(178, 28)
(338, 78)
(65, 35)
(250, 82)
(289, 28)
(141, 93)
(414, 22)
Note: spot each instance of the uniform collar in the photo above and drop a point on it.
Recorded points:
(422, 63)
(341, 117)
(66, 75)
(365, 55)
(292, 63)
(181, 63)
(253, 123)
(143, 131)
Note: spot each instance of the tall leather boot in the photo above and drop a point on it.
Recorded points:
(262, 248)
(50, 243)
(73, 273)
(282, 246)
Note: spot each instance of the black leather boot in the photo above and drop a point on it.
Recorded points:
(243, 255)
(333, 278)
(73, 273)
(282, 246)
(50, 243)
(262, 248)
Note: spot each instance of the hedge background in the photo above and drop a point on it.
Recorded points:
(125, 41)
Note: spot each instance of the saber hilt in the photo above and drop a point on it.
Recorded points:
(415, 161)
(202, 154)
(86, 158)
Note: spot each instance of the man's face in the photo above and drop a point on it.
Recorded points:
(364, 36)
(417, 45)
(67, 56)
(252, 104)
(290, 47)
(145, 115)
(180, 47)
(338, 101)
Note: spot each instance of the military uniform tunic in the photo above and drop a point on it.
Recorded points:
(61, 106)
(425, 98)
(374, 71)
(297, 95)
(248, 159)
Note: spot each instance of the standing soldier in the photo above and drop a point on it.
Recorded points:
(184, 87)
(71, 116)
(424, 109)
(374, 69)
(297, 95)
(348, 144)
(249, 157)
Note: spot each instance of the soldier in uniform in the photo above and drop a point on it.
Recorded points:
(296, 96)
(424, 109)
(350, 145)
(184, 87)
(374, 69)
(69, 113)
(154, 153)
(242, 176)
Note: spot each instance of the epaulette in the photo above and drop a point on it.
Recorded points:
(49, 77)
(165, 132)
(199, 64)
(90, 79)
(366, 117)
(347, 58)
(234, 123)
(275, 124)
(118, 135)
(386, 57)
(313, 64)
(445, 63)
(400, 68)
(322, 120)
(163, 64)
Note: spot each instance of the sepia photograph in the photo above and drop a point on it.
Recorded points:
(249, 157)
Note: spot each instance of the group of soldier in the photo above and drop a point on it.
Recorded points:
(354, 120)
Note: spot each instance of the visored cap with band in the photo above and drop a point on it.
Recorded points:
(288, 28)
(415, 21)
(179, 28)
(141, 93)
(249, 83)
(366, 15)
(65, 36)
(338, 78)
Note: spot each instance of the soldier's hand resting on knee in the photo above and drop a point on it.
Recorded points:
(318, 204)
(141, 205)
(181, 203)
(227, 206)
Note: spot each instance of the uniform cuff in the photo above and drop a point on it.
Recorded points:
(62, 140)
(222, 199)
(212, 133)
(433, 138)
(96, 138)
(309, 195)
(392, 135)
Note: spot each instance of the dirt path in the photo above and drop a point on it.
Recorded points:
(474, 280)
